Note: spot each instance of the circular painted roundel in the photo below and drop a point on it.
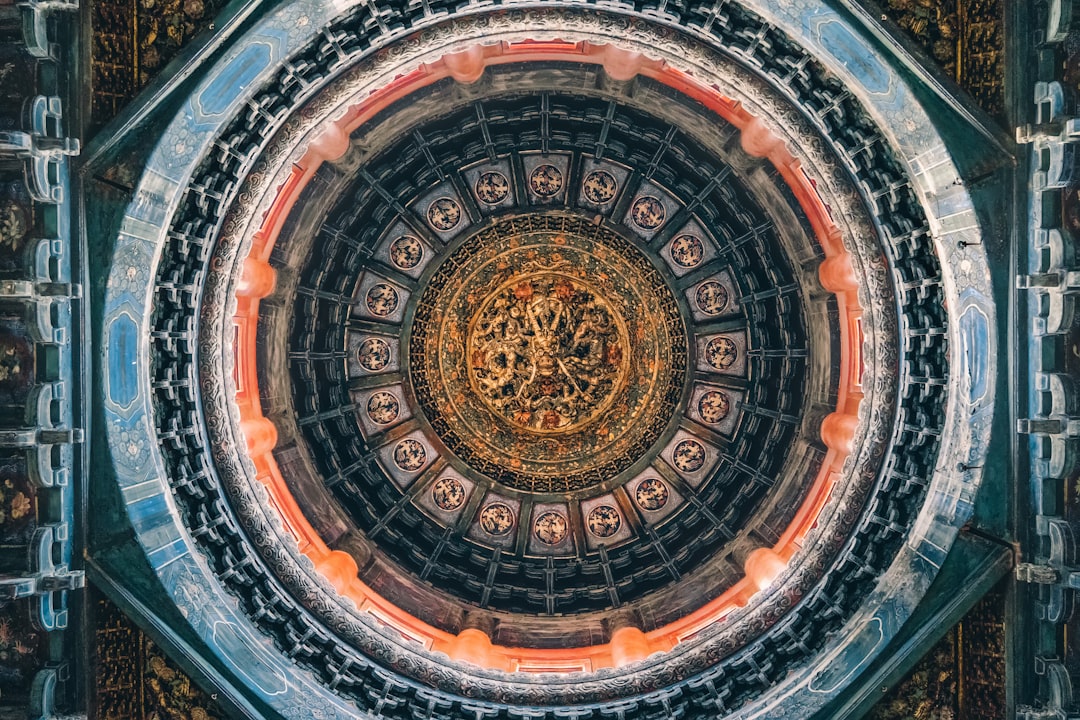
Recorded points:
(410, 455)
(600, 187)
(497, 519)
(444, 214)
(382, 300)
(721, 353)
(711, 297)
(651, 494)
(406, 252)
(546, 180)
(604, 521)
(714, 406)
(648, 213)
(448, 493)
(550, 528)
(689, 456)
(383, 407)
(687, 251)
(492, 188)
(373, 354)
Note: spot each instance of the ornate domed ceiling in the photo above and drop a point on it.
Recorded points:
(548, 361)
(516, 390)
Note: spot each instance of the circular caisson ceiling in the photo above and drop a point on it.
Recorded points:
(537, 352)
(549, 359)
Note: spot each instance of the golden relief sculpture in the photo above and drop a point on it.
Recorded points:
(547, 352)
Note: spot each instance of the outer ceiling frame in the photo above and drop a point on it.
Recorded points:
(252, 60)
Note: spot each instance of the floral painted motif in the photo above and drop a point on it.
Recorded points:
(132, 272)
(16, 363)
(13, 357)
(14, 226)
(20, 506)
(129, 445)
(18, 501)
(170, 692)
(19, 644)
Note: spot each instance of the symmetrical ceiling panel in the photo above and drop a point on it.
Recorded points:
(512, 357)
(559, 362)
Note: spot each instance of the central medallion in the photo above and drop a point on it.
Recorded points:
(548, 353)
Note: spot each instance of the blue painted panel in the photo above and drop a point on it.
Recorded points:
(849, 49)
(167, 553)
(249, 659)
(149, 513)
(851, 659)
(122, 358)
(233, 78)
(975, 345)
